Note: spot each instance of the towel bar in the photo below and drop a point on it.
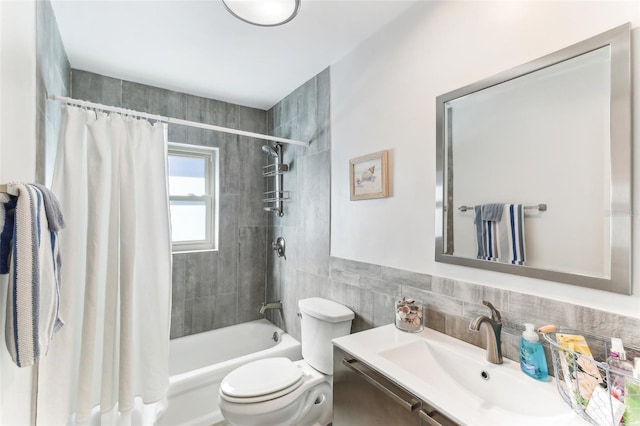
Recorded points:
(540, 207)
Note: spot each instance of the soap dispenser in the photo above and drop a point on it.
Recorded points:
(532, 359)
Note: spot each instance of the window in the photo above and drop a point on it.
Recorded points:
(193, 197)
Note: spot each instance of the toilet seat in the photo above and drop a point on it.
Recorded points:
(261, 380)
(288, 408)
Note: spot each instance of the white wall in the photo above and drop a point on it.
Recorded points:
(383, 97)
(17, 162)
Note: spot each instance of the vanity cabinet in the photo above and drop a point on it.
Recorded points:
(362, 396)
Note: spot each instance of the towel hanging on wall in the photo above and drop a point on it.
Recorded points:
(515, 219)
(491, 241)
(500, 232)
(30, 217)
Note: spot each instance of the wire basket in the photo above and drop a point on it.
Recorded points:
(587, 383)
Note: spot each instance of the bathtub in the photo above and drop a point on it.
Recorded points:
(199, 362)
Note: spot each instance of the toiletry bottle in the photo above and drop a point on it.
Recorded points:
(532, 359)
(632, 396)
(619, 368)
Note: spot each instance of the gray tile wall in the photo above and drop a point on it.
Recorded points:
(216, 288)
(52, 76)
(370, 290)
(302, 115)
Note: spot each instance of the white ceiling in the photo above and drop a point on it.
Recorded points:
(199, 48)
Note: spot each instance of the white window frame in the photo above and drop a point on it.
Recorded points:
(210, 155)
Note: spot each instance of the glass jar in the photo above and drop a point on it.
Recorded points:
(409, 315)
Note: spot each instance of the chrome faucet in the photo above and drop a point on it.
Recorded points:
(493, 328)
(270, 305)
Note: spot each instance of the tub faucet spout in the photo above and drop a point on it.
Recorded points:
(493, 328)
(270, 305)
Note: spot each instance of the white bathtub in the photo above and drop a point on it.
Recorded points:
(199, 362)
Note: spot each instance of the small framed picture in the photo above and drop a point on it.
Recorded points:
(369, 176)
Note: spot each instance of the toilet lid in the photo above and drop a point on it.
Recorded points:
(262, 377)
(263, 398)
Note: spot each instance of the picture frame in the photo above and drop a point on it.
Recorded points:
(369, 176)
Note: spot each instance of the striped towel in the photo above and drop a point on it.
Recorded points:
(488, 235)
(515, 220)
(29, 253)
(492, 211)
(502, 235)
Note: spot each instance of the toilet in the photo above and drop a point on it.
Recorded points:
(278, 391)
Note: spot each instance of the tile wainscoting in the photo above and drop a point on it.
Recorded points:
(370, 290)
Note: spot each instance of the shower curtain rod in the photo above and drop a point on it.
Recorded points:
(171, 120)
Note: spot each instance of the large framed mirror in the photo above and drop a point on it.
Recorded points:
(534, 168)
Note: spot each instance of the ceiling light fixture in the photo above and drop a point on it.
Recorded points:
(264, 13)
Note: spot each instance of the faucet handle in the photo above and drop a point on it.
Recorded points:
(495, 314)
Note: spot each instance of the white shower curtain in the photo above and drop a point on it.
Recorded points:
(109, 363)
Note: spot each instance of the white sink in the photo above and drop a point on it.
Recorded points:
(470, 377)
(456, 378)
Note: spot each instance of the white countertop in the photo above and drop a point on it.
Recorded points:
(453, 397)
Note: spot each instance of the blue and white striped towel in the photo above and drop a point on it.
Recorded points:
(502, 234)
(514, 215)
(491, 242)
(29, 253)
(492, 212)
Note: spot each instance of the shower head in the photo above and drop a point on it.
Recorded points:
(272, 152)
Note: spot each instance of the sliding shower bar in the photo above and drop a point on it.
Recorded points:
(171, 120)
(540, 207)
(274, 200)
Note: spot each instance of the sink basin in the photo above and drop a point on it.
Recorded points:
(495, 387)
(455, 377)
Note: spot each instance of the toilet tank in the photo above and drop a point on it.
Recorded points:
(321, 321)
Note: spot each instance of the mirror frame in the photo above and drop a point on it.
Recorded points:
(619, 41)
